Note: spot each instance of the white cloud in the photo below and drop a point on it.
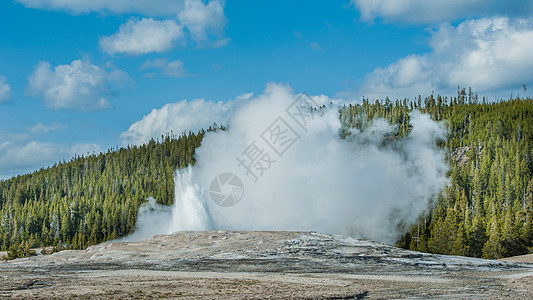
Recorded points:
(21, 152)
(79, 85)
(173, 69)
(488, 54)
(42, 128)
(143, 36)
(16, 158)
(406, 78)
(179, 117)
(5, 90)
(437, 11)
(144, 7)
(193, 115)
(204, 21)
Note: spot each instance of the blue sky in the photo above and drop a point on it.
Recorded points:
(81, 76)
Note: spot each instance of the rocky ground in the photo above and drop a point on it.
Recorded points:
(267, 265)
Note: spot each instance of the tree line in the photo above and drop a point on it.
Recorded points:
(487, 208)
(92, 198)
(485, 211)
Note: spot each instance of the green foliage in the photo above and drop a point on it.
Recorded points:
(91, 198)
(22, 250)
(487, 209)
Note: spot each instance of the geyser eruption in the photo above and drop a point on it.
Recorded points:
(297, 173)
(189, 211)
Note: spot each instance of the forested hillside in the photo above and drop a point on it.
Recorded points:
(91, 198)
(486, 211)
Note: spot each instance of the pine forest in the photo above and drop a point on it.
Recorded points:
(486, 210)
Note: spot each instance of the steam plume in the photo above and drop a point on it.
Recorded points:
(361, 185)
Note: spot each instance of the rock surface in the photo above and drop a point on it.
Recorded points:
(272, 265)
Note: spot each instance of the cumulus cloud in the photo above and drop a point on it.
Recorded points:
(488, 54)
(173, 68)
(5, 90)
(143, 36)
(192, 115)
(406, 78)
(436, 11)
(204, 21)
(79, 85)
(20, 158)
(179, 117)
(144, 7)
(25, 151)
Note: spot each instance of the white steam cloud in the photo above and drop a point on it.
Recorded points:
(307, 177)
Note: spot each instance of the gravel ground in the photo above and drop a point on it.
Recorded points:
(259, 265)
